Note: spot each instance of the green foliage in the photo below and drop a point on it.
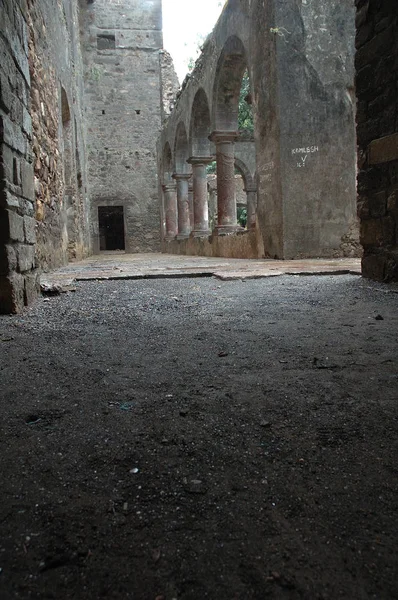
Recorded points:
(245, 117)
(242, 216)
(211, 169)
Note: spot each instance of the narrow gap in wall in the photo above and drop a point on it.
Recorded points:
(15, 177)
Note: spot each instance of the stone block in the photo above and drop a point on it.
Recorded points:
(391, 269)
(11, 134)
(364, 34)
(10, 259)
(14, 226)
(9, 200)
(7, 156)
(373, 266)
(17, 49)
(392, 202)
(371, 233)
(363, 211)
(29, 225)
(28, 180)
(377, 204)
(6, 96)
(26, 258)
(12, 293)
(32, 287)
(383, 150)
(377, 47)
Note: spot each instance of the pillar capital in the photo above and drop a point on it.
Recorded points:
(200, 160)
(186, 176)
(223, 137)
(169, 187)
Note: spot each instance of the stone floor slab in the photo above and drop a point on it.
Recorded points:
(108, 266)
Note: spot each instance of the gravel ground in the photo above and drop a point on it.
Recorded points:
(191, 439)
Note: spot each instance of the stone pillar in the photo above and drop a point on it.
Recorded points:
(226, 191)
(251, 194)
(170, 209)
(200, 203)
(190, 199)
(184, 223)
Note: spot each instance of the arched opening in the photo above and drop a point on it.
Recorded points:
(201, 156)
(246, 195)
(200, 127)
(181, 150)
(233, 123)
(231, 68)
(167, 164)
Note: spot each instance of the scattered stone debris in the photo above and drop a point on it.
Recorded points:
(56, 289)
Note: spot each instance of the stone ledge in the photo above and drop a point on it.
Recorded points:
(383, 150)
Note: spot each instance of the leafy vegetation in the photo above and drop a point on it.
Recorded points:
(242, 216)
(245, 117)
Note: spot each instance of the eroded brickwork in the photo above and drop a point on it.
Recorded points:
(377, 119)
(58, 144)
(18, 273)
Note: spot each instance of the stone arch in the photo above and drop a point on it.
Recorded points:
(181, 150)
(231, 66)
(167, 164)
(200, 126)
(247, 177)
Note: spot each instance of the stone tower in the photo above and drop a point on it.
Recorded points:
(122, 42)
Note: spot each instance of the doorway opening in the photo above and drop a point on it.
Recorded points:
(111, 227)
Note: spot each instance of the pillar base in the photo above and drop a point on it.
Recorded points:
(182, 236)
(169, 238)
(227, 229)
(201, 233)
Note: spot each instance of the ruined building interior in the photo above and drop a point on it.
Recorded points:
(102, 151)
(88, 145)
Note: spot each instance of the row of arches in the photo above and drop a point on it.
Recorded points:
(206, 132)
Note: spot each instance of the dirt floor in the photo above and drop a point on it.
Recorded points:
(193, 438)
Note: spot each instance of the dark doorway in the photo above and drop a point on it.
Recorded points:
(111, 227)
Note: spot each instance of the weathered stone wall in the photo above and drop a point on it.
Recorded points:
(314, 44)
(300, 59)
(58, 139)
(18, 273)
(169, 82)
(377, 126)
(122, 42)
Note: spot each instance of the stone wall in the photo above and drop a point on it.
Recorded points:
(18, 273)
(43, 207)
(377, 127)
(300, 60)
(58, 138)
(122, 42)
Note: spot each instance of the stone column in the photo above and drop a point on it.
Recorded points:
(251, 194)
(190, 198)
(170, 209)
(226, 191)
(200, 203)
(183, 205)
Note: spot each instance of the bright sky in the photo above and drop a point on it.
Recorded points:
(185, 23)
